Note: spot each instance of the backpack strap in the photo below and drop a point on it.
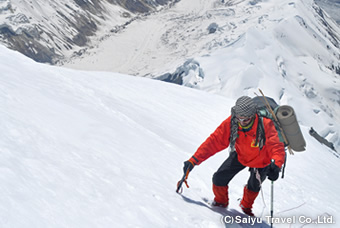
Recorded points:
(260, 134)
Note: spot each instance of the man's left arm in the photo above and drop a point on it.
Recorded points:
(274, 145)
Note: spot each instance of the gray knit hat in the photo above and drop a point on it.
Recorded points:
(245, 106)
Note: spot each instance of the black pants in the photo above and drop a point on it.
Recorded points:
(231, 167)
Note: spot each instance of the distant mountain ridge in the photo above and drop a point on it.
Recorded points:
(46, 30)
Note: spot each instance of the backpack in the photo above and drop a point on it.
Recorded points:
(263, 112)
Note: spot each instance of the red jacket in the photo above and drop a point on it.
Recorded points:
(248, 154)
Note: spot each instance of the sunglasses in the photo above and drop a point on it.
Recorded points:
(243, 119)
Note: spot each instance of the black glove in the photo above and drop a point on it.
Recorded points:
(188, 165)
(274, 171)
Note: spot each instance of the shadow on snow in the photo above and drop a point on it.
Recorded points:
(230, 217)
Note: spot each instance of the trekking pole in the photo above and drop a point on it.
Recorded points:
(272, 201)
(277, 121)
(272, 205)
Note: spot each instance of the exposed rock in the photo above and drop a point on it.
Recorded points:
(189, 74)
(321, 139)
(212, 28)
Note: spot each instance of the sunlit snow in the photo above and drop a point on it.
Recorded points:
(103, 149)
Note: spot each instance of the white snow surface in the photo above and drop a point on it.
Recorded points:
(100, 149)
(103, 149)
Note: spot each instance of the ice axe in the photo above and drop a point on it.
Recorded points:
(179, 189)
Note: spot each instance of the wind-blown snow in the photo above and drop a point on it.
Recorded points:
(95, 149)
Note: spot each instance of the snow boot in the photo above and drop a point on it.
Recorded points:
(247, 201)
(221, 196)
(247, 211)
(216, 204)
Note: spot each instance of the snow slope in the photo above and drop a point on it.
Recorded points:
(95, 149)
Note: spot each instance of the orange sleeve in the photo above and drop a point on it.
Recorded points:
(273, 143)
(217, 141)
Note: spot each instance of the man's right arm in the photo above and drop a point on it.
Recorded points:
(216, 142)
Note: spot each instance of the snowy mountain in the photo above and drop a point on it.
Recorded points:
(87, 148)
(162, 42)
(49, 30)
(95, 149)
(210, 45)
(52, 31)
